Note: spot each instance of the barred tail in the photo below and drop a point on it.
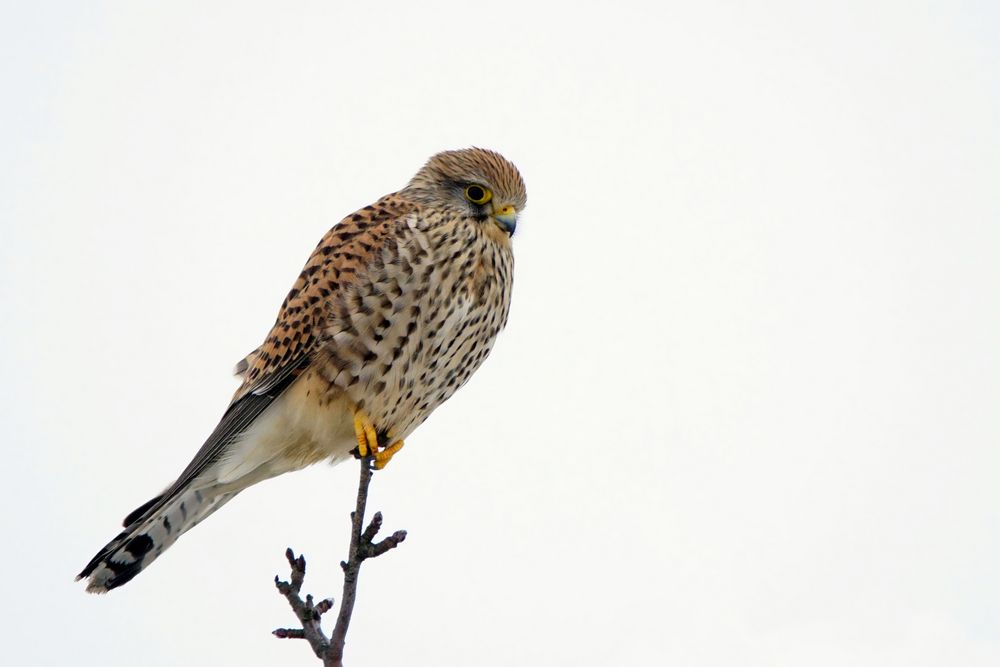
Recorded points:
(149, 530)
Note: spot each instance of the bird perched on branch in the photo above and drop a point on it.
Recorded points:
(398, 305)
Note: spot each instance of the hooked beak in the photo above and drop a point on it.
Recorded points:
(506, 218)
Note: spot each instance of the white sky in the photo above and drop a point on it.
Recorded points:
(746, 408)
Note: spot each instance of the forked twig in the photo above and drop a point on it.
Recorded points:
(331, 651)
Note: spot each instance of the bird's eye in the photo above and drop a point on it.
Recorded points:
(477, 194)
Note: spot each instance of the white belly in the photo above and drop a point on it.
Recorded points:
(303, 426)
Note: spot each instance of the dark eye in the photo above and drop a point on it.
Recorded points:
(477, 194)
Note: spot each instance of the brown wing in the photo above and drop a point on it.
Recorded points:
(344, 254)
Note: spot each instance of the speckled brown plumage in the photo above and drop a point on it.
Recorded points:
(340, 259)
(395, 309)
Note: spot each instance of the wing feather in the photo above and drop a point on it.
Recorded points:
(346, 252)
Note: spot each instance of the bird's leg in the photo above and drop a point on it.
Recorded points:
(367, 437)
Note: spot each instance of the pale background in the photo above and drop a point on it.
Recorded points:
(745, 411)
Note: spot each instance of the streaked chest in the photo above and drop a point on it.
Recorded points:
(413, 332)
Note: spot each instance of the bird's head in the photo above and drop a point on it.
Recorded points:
(472, 182)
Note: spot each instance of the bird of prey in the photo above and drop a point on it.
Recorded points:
(395, 309)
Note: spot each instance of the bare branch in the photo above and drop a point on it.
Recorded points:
(305, 611)
(331, 650)
(289, 633)
(390, 542)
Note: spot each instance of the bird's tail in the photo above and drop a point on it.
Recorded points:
(149, 530)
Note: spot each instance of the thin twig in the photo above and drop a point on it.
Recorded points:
(361, 549)
(307, 613)
(331, 650)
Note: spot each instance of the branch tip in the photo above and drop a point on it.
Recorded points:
(289, 633)
(372, 530)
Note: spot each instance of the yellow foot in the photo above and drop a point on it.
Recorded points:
(367, 437)
(365, 433)
(382, 458)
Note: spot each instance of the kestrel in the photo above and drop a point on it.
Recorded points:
(398, 305)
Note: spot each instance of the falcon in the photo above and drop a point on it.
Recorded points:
(395, 309)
